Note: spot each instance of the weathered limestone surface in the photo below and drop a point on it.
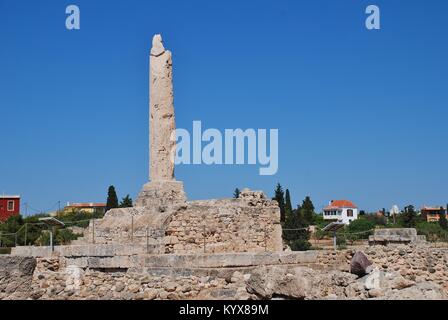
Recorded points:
(160, 194)
(162, 218)
(162, 189)
(400, 272)
(396, 235)
(162, 124)
(15, 276)
(91, 250)
(248, 224)
(113, 257)
(418, 262)
(360, 264)
(231, 225)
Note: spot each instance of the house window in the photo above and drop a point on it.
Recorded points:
(349, 213)
(10, 205)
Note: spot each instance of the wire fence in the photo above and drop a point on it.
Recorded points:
(157, 240)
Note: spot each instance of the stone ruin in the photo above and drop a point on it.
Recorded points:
(162, 217)
(169, 248)
(396, 236)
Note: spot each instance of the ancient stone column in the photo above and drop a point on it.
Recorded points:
(161, 110)
(163, 189)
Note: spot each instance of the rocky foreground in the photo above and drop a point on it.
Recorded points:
(401, 272)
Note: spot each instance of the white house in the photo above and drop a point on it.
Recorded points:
(341, 210)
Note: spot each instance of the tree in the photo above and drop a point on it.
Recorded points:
(308, 210)
(360, 228)
(432, 231)
(126, 202)
(236, 193)
(8, 228)
(409, 217)
(64, 236)
(288, 206)
(112, 199)
(442, 220)
(280, 197)
(296, 239)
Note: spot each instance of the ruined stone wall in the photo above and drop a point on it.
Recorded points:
(54, 281)
(414, 262)
(15, 276)
(233, 225)
(250, 223)
(401, 272)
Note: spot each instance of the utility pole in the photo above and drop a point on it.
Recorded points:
(26, 231)
(132, 229)
(59, 207)
(93, 230)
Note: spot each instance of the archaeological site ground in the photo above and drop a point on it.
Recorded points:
(156, 154)
(169, 248)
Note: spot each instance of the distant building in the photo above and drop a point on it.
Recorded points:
(9, 206)
(341, 210)
(380, 213)
(394, 211)
(85, 207)
(432, 214)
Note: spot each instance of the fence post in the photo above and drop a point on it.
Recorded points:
(265, 239)
(93, 230)
(26, 232)
(132, 229)
(160, 241)
(147, 241)
(334, 241)
(204, 237)
(53, 232)
(15, 239)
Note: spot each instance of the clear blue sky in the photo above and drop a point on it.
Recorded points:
(362, 115)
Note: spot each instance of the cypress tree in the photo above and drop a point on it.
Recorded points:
(126, 202)
(409, 217)
(296, 239)
(288, 206)
(236, 193)
(308, 210)
(442, 220)
(280, 197)
(112, 199)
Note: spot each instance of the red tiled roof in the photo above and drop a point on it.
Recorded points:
(86, 205)
(432, 208)
(9, 197)
(335, 204)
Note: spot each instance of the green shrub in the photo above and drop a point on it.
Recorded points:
(5, 250)
(433, 231)
(359, 229)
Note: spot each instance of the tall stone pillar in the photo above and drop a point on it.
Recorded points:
(161, 111)
(162, 189)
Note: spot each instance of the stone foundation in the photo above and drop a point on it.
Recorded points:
(248, 224)
(232, 225)
(16, 276)
(161, 194)
(400, 272)
(396, 235)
